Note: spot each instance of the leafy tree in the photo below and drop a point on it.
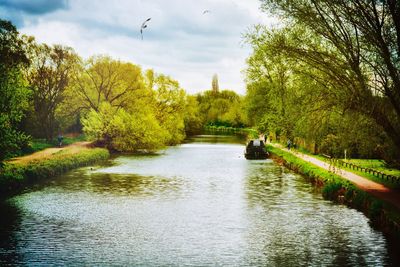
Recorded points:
(49, 76)
(169, 106)
(13, 89)
(192, 118)
(285, 97)
(119, 130)
(102, 79)
(355, 46)
(221, 108)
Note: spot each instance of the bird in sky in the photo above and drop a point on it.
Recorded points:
(206, 11)
(144, 26)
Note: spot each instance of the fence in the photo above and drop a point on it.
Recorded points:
(387, 177)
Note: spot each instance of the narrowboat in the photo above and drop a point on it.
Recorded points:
(255, 149)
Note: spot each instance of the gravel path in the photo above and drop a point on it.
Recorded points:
(48, 152)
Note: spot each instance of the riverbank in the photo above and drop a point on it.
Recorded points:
(384, 214)
(20, 172)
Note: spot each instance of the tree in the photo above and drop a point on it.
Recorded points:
(192, 117)
(355, 46)
(13, 90)
(287, 97)
(169, 107)
(221, 108)
(49, 77)
(103, 79)
(120, 130)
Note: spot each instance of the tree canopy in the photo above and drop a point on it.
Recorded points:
(338, 56)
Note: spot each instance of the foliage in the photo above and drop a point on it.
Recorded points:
(192, 118)
(292, 98)
(351, 50)
(170, 108)
(103, 79)
(119, 130)
(49, 76)
(221, 108)
(13, 90)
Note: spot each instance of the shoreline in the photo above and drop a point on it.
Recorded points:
(383, 215)
(17, 176)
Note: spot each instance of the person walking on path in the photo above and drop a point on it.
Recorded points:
(60, 139)
(289, 144)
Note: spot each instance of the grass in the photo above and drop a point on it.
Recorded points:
(376, 164)
(369, 176)
(41, 144)
(309, 169)
(14, 176)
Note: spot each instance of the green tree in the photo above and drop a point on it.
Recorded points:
(194, 123)
(221, 108)
(355, 46)
(49, 76)
(120, 130)
(288, 97)
(170, 107)
(103, 79)
(14, 92)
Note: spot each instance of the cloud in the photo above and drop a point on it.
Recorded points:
(180, 40)
(34, 6)
(17, 10)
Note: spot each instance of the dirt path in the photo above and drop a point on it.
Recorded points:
(48, 152)
(376, 189)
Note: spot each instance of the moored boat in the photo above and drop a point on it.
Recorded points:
(255, 149)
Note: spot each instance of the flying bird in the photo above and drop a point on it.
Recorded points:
(144, 26)
(206, 11)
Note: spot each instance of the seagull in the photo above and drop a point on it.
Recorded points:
(206, 11)
(144, 26)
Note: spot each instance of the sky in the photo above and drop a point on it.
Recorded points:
(179, 40)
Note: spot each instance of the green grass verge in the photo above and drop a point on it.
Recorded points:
(14, 176)
(309, 169)
(376, 164)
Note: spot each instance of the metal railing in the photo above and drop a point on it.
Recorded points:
(338, 162)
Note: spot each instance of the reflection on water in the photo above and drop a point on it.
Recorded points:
(198, 204)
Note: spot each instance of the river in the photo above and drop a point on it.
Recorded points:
(196, 204)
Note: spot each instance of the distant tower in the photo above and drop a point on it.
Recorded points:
(215, 86)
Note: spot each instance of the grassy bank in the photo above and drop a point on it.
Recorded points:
(15, 176)
(338, 189)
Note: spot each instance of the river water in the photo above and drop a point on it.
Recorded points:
(197, 204)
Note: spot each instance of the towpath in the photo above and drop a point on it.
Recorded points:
(378, 190)
(48, 152)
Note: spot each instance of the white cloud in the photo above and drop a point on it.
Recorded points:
(180, 41)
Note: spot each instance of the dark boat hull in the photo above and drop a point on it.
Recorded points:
(256, 155)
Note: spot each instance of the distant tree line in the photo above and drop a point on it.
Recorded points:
(49, 90)
(329, 73)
